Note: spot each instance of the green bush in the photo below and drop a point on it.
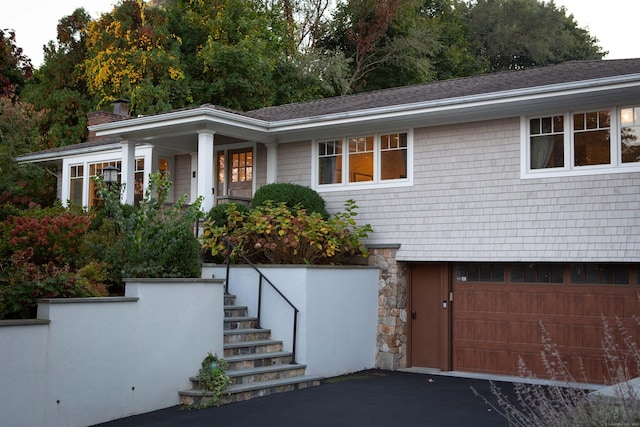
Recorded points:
(219, 216)
(291, 195)
(276, 234)
(153, 240)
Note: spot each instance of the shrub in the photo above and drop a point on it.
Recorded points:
(53, 235)
(22, 282)
(276, 234)
(152, 240)
(292, 195)
(218, 214)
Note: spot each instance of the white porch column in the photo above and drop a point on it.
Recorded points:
(127, 174)
(205, 169)
(272, 162)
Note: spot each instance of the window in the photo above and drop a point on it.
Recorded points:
(77, 184)
(600, 274)
(479, 272)
(363, 160)
(547, 142)
(630, 134)
(536, 273)
(591, 138)
(95, 169)
(330, 162)
(596, 141)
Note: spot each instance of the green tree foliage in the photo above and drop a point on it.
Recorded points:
(59, 87)
(132, 54)
(514, 34)
(22, 185)
(237, 53)
(456, 54)
(380, 44)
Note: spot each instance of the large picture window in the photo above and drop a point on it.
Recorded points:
(587, 142)
(363, 160)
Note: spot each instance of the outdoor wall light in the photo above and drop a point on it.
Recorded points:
(110, 175)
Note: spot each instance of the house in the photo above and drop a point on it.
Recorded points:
(498, 202)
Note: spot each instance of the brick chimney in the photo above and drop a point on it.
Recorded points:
(120, 112)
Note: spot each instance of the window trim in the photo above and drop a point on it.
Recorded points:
(616, 165)
(377, 164)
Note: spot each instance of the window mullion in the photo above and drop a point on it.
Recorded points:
(614, 137)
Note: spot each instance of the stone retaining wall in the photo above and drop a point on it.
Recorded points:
(391, 343)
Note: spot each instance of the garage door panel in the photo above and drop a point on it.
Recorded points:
(492, 327)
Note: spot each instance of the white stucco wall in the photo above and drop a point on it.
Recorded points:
(468, 203)
(100, 359)
(338, 315)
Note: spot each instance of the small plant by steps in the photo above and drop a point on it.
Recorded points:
(214, 380)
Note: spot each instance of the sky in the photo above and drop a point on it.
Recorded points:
(612, 22)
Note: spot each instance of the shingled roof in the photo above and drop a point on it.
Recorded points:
(567, 72)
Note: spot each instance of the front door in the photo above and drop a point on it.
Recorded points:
(430, 308)
(235, 173)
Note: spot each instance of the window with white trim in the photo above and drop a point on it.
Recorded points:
(583, 142)
(362, 160)
(76, 185)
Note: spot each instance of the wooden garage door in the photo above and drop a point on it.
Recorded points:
(497, 320)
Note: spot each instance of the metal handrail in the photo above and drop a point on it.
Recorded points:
(230, 247)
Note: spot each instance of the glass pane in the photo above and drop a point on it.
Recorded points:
(485, 272)
(394, 164)
(577, 273)
(558, 124)
(530, 273)
(557, 273)
(547, 151)
(361, 167)
(630, 143)
(516, 273)
(330, 171)
(621, 273)
(473, 273)
(534, 126)
(592, 148)
(546, 125)
(592, 274)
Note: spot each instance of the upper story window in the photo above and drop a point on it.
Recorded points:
(596, 141)
(364, 160)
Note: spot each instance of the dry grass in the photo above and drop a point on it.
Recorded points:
(564, 404)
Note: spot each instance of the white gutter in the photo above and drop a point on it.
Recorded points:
(59, 155)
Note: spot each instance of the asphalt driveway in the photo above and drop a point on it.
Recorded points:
(368, 398)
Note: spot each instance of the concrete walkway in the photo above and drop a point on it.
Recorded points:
(368, 398)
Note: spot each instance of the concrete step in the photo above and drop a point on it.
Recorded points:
(244, 335)
(240, 322)
(235, 311)
(264, 373)
(247, 361)
(251, 347)
(240, 392)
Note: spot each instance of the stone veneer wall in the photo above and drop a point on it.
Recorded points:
(391, 344)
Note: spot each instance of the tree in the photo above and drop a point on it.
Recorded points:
(132, 54)
(59, 87)
(21, 185)
(514, 34)
(236, 53)
(384, 44)
(456, 55)
(15, 66)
